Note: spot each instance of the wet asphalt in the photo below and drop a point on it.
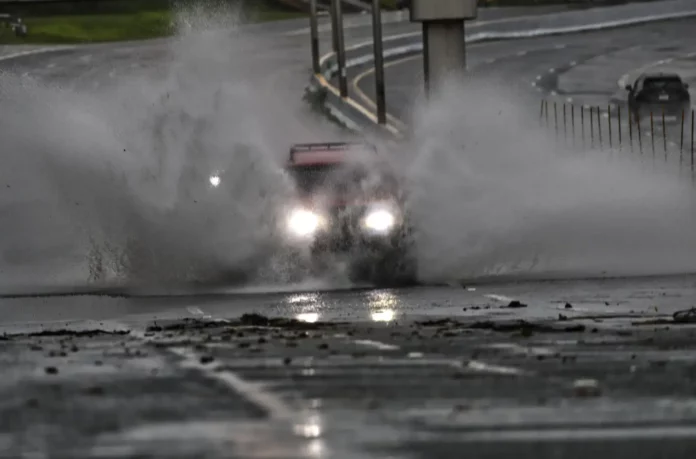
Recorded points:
(555, 369)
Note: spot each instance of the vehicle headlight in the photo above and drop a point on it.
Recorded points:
(380, 220)
(303, 222)
(214, 180)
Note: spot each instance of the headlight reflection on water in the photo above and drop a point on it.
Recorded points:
(309, 317)
(383, 306)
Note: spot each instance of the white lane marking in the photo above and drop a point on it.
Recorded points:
(578, 433)
(623, 81)
(35, 51)
(484, 367)
(523, 350)
(521, 53)
(198, 312)
(561, 46)
(489, 61)
(501, 298)
(51, 65)
(376, 344)
(552, 70)
(274, 406)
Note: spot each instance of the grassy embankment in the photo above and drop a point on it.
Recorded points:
(90, 21)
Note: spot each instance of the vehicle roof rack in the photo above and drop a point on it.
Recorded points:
(327, 147)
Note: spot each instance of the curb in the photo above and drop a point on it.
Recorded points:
(357, 118)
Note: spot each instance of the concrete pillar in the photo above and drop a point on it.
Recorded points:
(444, 47)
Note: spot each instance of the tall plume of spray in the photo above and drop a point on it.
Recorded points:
(492, 195)
(114, 185)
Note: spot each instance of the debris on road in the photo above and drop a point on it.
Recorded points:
(687, 316)
(516, 304)
(587, 388)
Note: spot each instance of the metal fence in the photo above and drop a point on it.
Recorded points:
(655, 136)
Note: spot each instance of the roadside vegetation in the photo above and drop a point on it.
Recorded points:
(89, 21)
(86, 21)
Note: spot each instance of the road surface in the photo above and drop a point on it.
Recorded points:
(583, 69)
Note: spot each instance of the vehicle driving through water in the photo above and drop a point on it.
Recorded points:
(351, 208)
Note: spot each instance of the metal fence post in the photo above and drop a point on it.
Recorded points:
(582, 126)
(599, 128)
(664, 134)
(692, 144)
(572, 122)
(591, 128)
(541, 113)
(652, 134)
(565, 126)
(555, 119)
(620, 141)
(640, 137)
(610, 135)
(314, 32)
(681, 141)
(342, 75)
(381, 98)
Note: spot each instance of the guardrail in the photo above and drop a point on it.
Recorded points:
(655, 136)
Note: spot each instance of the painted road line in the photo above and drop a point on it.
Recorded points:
(574, 434)
(623, 81)
(474, 24)
(356, 87)
(500, 298)
(539, 32)
(376, 344)
(483, 367)
(32, 52)
(522, 350)
(371, 116)
(274, 406)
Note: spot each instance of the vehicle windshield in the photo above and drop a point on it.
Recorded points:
(662, 84)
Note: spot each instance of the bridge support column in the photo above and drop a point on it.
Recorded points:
(444, 47)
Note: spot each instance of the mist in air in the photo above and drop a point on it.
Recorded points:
(493, 194)
(111, 184)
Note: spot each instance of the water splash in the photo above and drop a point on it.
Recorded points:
(114, 185)
(493, 195)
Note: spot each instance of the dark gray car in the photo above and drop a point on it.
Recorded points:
(659, 94)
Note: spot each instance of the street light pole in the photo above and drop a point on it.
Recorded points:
(314, 31)
(444, 47)
(334, 27)
(340, 44)
(379, 62)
